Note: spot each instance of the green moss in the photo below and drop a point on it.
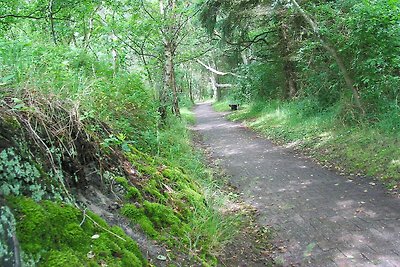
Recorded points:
(193, 196)
(10, 122)
(155, 216)
(122, 181)
(52, 232)
(160, 215)
(148, 227)
(132, 212)
(133, 193)
(130, 259)
(172, 174)
(152, 188)
(65, 258)
(137, 215)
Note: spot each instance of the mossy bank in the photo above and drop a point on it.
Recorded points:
(87, 196)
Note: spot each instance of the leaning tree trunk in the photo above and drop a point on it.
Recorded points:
(215, 88)
(330, 48)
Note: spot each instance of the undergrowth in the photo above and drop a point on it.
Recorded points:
(366, 149)
(69, 123)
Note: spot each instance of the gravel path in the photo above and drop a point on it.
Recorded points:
(321, 218)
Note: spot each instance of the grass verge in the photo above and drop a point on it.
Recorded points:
(221, 106)
(362, 150)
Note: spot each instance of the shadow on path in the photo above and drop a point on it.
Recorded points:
(321, 218)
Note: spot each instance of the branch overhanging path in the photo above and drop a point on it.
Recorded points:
(321, 218)
(217, 72)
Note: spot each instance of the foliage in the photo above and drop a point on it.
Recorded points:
(98, 128)
(19, 177)
(283, 48)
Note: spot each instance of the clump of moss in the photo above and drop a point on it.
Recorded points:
(57, 235)
(153, 188)
(173, 174)
(154, 218)
(160, 215)
(132, 193)
(137, 215)
(122, 181)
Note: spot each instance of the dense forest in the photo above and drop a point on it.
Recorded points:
(97, 165)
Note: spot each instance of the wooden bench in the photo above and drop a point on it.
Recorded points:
(234, 106)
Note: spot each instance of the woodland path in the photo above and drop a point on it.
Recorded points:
(320, 218)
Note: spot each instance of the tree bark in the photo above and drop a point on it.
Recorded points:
(214, 81)
(169, 54)
(51, 19)
(190, 86)
(289, 68)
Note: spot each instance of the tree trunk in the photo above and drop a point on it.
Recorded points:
(169, 54)
(170, 77)
(290, 89)
(190, 86)
(51, 19)
(243, 55)
(214, 85)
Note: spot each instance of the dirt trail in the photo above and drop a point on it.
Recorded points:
(321, 218)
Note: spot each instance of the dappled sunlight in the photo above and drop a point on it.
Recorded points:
(395, 163)
(276, 117)
(217, 126)
(324, 138)
(293, 144)
(302, 166)
(318, 215)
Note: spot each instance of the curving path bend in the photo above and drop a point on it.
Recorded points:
(321, 218)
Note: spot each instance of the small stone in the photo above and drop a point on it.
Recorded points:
(90, 255)
(161, 258)
(95, 236)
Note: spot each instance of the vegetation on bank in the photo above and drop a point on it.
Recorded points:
(73, 133)
(170, 195)
(362, 149)
(95, 98)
